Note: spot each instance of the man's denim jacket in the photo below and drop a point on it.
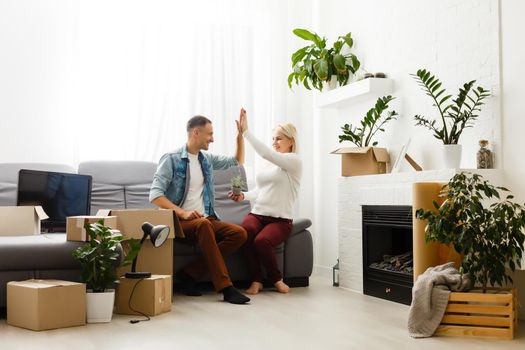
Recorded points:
(172, 178)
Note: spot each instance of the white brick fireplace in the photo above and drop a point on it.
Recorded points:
(385, 189)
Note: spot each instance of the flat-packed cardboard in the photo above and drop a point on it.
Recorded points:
(152, 296)
(362, 160)
(150, 259)
(21, 221)
(75, 226)
(46, 304)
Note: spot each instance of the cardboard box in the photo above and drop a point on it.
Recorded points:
(129, 221)
(150, 259)
(152, 296)
(46, 304)
(21, 221)
(362, 160)
(75, 226)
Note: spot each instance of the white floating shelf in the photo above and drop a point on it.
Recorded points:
(354, 92)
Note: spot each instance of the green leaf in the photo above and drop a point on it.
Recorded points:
(321, 69)
(305, 34)
(339, 63)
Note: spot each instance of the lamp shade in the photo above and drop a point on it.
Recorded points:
(158, 234)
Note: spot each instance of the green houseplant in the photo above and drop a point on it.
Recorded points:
(99, 259)
(317, 63)
(372, 122)
(237, 183)
(484, 226)
(455, 116)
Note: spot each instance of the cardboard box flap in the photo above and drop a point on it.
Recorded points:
(41, 213)
(129, 221)
(357, 150)
(381, 154)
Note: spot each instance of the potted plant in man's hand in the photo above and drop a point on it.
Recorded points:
(99, 259)
(455, 117)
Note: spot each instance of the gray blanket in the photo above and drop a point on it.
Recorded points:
(430, 298)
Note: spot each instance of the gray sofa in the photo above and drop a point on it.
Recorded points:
(125, 184)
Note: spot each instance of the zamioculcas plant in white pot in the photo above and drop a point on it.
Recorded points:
(99, 259)
(455, 117)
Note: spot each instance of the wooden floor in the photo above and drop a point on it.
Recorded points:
(317, 317)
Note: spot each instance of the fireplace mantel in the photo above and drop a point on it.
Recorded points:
(383, 189)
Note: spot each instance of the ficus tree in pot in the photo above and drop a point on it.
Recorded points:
(455, 116)
(483, 224)
(372, 122)
(316, 63)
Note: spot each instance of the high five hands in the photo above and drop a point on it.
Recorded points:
(242, 123)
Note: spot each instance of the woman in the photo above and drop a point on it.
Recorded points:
(277, 186)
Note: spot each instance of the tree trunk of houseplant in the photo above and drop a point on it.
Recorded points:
(100, 306)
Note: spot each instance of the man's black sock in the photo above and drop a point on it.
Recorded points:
(188, 284)
(233, 296)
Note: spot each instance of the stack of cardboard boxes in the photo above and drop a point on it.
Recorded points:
(48, 304)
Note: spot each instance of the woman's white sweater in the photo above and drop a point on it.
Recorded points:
(277, 183)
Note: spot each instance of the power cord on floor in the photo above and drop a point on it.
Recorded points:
(147, 318)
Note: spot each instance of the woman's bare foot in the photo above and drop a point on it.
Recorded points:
(255, 288)
(281, 287)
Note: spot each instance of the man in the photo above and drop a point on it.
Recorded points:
(184, 182)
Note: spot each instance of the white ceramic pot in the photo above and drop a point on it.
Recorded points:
(332, 84)
(100, 306)
(452, 156)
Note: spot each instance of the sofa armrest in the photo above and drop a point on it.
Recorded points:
(300, 224)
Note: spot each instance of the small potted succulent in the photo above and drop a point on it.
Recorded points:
(237, 184)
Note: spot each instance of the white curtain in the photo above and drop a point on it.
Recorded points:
(118, 79)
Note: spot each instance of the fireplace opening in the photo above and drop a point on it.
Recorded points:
(387, 252)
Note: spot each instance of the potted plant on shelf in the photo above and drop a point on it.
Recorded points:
(366, 158)
(237, 184)
(455, 116)
(99, 258)
(315, 64)
(486, 228)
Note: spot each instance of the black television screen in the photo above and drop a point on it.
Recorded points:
(60, 195)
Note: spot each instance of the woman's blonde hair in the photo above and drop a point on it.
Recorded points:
(289, 131)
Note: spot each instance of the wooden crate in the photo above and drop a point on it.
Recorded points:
(492, 314)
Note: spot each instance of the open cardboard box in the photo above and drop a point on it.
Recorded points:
(150, 259)
(21, 221)
(362, 160)
(75, 226)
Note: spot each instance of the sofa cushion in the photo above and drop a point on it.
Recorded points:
(119, 184)
(9, 177)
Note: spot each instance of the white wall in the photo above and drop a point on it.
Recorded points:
(513, 121)
(457, 40)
